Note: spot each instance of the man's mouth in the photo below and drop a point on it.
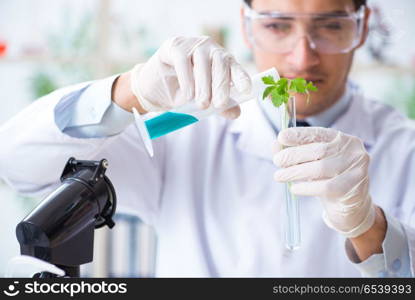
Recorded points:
(315, 80)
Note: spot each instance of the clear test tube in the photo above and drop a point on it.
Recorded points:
(292, 217)
(155, 126)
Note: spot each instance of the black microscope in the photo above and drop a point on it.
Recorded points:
(60, 230)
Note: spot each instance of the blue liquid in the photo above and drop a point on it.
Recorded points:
(168, 122)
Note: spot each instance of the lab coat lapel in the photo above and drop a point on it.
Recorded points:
(254, 134)
(358, 120)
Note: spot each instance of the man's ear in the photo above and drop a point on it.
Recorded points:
(244, 29)
(366, 19)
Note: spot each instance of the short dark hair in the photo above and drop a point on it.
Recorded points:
(357, 3)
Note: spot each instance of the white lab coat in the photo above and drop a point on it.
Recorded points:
(209, 190)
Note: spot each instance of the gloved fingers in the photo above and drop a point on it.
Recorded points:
(174, 54)
(231, 113)
(300, 154)
(221, 78)
(306, 135)
(202, 71)
(314, 170)
(353, 182)
(184, 71)
(343, 186)
(180, 44)
(277, 146)
(319, 188)
(349, 168)
(240, 79)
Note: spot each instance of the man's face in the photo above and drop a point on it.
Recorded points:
(328, 71)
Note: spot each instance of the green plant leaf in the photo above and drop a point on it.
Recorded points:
(268, 80)
(277, 98)
(282, 86)
(280, 90)
(298, 85)
(292, 87)
(267, 91)
(311, 87)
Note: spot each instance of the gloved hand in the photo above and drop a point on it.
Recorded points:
(332, 166)
(186, 69)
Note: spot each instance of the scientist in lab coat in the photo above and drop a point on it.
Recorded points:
(214, 191)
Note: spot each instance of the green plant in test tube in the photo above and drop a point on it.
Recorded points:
(281, 93)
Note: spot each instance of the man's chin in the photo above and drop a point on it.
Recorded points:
(311, 108)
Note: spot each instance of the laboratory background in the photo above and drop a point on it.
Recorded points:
(45, 45)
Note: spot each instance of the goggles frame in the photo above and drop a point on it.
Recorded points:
(251, 15)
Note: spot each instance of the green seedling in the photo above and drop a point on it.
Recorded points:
(280, 90)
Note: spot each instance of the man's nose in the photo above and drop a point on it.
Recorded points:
(303, 56)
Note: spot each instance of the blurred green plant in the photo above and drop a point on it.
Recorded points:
(67, 49)
(410, 101)
(82, 49)
(404, 100)
(42, 84)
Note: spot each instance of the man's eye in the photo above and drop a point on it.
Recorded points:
(333, 26)
(280, 27)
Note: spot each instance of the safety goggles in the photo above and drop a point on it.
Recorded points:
(326, 32)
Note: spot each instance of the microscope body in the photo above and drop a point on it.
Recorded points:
(60, 230)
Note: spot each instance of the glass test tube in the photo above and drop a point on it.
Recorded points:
(292, 217)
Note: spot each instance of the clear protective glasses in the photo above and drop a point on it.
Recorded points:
(329, 33)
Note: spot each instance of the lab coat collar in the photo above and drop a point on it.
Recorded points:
(256, 136)
(358, 119)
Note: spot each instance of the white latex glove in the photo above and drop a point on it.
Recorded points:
(332, 166)
(185, 69)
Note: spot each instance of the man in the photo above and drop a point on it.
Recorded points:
(209, 190)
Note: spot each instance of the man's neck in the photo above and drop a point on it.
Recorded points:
(335, 99)
(330, 115)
